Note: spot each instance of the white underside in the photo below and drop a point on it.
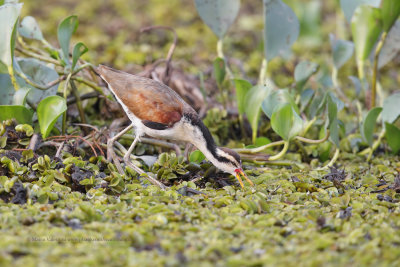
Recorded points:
(181, 131)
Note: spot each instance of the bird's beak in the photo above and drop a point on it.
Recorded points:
(238, 173)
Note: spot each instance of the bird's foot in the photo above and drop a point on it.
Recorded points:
(151, 179)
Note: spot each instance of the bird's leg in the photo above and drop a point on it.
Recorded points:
(136, 168)
(110, 149)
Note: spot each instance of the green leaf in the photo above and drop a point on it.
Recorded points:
(305, 98)
(368, 125)
(393, 137)
(9, 14)
(349, 6)
(391, 46)
(196, 156)
(390, 13)
(65, 30)
(48, 110)
(341, 51)
(366, 26)
(40, 74)
(333, 121)
(262, 141)
(276, 100)
(219, 71)
(281, 28)
(218, 14)
(253, 102)
(20, 113)
(30, 29)
(7, 90)
(242, 88)
(286, 122)
(303, 72)
(79, 49)
(20, 96)
(391, 108)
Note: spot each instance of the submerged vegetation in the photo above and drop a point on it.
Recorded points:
(306, 91)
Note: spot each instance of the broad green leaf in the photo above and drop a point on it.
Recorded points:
(65, 30)
(286, 122)
(218, 14)
(333, 121)
(219, 71)
(9, 14)
(303, 72)
(341, 51)
(391, 46)
(393, 137)
(20, 96)
(242, 88)
(366, 26)
(40, 74)
(30, 29)
(196, 156)
(390, 13)
(253, 102)
(262, 141)
(277, 99)
(281, 28)
(7, 90)
(79, 49)
(391, 108)
(349, 6)
(48, 110)
(368, 125)
(20, 113)
(305, 98)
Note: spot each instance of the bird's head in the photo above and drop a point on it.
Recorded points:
(229, 161)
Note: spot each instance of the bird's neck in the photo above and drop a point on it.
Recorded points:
(204, 141)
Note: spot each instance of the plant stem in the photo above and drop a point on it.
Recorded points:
(64, 122)
(282, 153)
(375, 69)
(263, 71)
(12, 76)
(89, 83)
(311, 141)
(334, 159)
(220, 53)
(37, 56)
(78, 101)
(259, 149)
(308, 126)
(376, 144)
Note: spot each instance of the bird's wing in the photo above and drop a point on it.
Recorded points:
(157, 105)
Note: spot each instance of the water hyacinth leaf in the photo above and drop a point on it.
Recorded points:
(7, 90)
(219, 71)
(286, 122)
(303, 72)
(253, 103)
(390, 13)
(48, 111)
(342, 51)
(333, 121)
(366, 26)
(20, 113)
(65, 30)
(305, 98)
(218, 14)
(242, 88)
(20, 96)
(40, 74)
(393, 137)
(277, 99)
(30, 29)
(281, 28)
(391, 108)
(9, 14)
(391, 46)
(196, 156)
(349, 6)
(79, 49)
(368, 125)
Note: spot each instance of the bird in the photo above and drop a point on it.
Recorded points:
(158, 111)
